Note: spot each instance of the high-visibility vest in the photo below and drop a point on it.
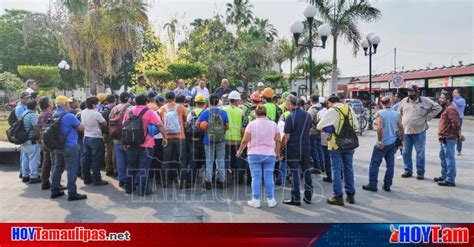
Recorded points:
(271, 111)
(235, 123)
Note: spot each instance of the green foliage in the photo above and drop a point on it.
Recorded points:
(10, 82)
(48, 76)
(272, 77)
(158, 76)
(187, 71)
(39, 47)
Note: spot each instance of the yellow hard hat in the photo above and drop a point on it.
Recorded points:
(102, 97)
(267, 93)
(62, 99)
(200, 99)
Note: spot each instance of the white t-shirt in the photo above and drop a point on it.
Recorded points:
(91, 119)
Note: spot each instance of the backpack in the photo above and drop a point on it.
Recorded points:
(53, 138)
(215, 127)
(105, 112)
(278, 113)
(314, 119)
(172, 120)
(116, 124)
(12, 117)
(191, 131)
(347, 138)
(17, 133)
(132, 132)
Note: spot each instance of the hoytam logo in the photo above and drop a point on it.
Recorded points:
(72, 234)
(435, 234)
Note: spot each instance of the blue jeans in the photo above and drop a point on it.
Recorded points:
(80, 155)
(262, 164)
(65, 159)
(176, 148)
(233, 162)
(296, 163)
(316, 151)
(418, 141)
(31, 159)
(121, 159)
(387, 153)
(215, 151)
(327, 162)
(342, 162)
(138, 165)
(448, 161)
(93, 159)
(282, 171)
(459, 143)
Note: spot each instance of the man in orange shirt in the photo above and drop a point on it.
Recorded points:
(174, 117)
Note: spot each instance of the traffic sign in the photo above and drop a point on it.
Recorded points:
(398, 80)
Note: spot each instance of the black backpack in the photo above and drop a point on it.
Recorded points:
(191, 131)
(105, 112)
(53, 138)
(347, 138)
(132, 132)
(12, 117)
(17, 133)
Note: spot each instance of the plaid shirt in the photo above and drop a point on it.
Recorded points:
(43, 117)
(449, 124)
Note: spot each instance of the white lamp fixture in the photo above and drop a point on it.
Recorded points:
(297, 27)
(310, 11)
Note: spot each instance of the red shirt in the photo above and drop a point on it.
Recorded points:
(449, 124)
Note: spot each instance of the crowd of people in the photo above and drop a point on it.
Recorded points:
(194, 139)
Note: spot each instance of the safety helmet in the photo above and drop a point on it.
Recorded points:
(256, 96)
(268, 93)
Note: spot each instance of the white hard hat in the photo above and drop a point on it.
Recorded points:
(260, 84)
(234, 95)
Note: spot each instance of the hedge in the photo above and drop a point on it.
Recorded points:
(48, 76)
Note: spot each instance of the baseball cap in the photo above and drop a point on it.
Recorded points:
(413, 88)
(159, 99)
(151, 95)
(25, 95)
(62, 99)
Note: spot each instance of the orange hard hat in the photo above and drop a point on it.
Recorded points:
(268, 92)
(203, 126)
(256, 96)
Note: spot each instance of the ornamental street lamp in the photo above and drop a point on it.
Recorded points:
(370, 44)
(297, 27)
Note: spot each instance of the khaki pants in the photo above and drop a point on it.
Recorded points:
(47, 164)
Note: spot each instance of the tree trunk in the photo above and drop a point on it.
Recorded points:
(334, 78)
(291, 66)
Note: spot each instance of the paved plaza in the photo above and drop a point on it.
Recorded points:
(410, 200)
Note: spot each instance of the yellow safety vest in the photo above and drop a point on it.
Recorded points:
(332, 137)
(235, 123)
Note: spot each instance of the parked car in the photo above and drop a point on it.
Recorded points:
(355, 104)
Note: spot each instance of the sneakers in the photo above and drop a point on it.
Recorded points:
(350, 199)
(25, 179)
(420, 177)
(327, 180)
(254, 203)
(438, 179)
(207, 185)
(459, 153)
(57, 194)
(386, 188)
(271, 203)
(407, 175)
(45, 186)
(291, 202)
(399, 157)
(446, 183)
(100, 183)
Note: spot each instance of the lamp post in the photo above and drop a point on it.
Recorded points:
(370, 44)
(63, 67)
(297, 27)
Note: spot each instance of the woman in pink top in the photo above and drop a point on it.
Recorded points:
(262, 138)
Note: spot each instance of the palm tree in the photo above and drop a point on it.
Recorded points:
(240, 14)
(343, 16)
(320, 71)
(171, 28)
(266, 29)
(96, 34)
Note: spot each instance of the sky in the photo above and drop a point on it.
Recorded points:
(424, 32)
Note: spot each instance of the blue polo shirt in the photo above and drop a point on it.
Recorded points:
(19, 109)
(298, 124)
(205, 116)
(68, 124)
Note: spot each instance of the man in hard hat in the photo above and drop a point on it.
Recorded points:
(195, 137)
(233, 136)
(260, 87)
(273, 111)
